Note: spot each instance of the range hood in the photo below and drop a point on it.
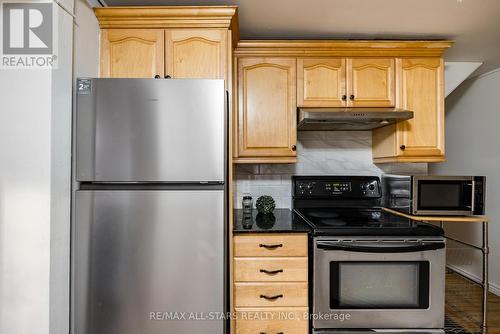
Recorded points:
(349, 119)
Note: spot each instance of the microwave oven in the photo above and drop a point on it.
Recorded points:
(435, 194)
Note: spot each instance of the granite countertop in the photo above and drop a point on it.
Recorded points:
(283, 222)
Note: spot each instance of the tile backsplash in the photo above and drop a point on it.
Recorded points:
(319, 153)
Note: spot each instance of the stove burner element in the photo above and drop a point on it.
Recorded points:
(333, 222)
(323, 214)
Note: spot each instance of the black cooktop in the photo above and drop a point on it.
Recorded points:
(350, 205)
(363, 221)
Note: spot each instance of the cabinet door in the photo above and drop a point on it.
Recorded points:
(321, 82)
(196, 53)
(267, 107)
(370, 82)
(131, 53)
(422, 93)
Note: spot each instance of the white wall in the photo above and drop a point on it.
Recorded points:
(318, 153)
(25, 121)
(60, 170)
(472, 139)
(35, 169)
(86, 41)
(456, 72)
(34, 193)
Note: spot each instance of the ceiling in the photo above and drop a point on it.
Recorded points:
(473, 24)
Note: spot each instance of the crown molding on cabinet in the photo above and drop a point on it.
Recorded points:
(341, 48)
(145, 17)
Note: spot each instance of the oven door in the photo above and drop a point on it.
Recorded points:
(379, 284)
(443, 195)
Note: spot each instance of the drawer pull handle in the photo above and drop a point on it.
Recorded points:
(276, 333)
(271, 297)
(271, 272)
(271, 246)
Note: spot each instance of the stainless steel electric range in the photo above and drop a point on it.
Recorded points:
(372, 270)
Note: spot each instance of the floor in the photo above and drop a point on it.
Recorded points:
(463, 305)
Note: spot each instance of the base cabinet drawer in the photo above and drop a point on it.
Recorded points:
(270, 269)
(270, 294)
(270, 245)
(272, 321)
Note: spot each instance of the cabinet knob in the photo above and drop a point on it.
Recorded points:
(294, 147)
(168, 77)
(402, 147)
(352, 97)
(157, 76)
(344, 97)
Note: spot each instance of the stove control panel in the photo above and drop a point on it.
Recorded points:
(336, 187)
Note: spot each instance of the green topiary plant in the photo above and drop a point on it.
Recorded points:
(265, 222)
(265, 204)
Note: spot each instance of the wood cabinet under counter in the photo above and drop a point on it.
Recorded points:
(271, 269)
(276, 244)
(289, 320)
(271, 276)
(255, 294)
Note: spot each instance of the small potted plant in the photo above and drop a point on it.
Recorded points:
(265, 206)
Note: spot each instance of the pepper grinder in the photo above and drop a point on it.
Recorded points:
(247, 205)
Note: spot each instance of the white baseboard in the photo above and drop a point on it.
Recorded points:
(493, 287)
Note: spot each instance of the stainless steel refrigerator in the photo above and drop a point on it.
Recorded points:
(149, 212)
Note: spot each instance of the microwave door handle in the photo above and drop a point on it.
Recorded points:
(376, 249)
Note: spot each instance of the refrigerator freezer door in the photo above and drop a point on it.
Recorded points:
(142, 258)
(150, 130)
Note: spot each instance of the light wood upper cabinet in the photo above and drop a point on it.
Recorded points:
(196, 53)
(132, 53)
(420, 139)
(346, 82)
(422, 93)
(267, 108)
(370, 82)
(179, 53)
(179, 41)
(321, 82)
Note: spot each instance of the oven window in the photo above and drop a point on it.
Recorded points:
(379, 285)
(443, 195)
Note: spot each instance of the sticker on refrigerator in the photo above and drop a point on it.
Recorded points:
(83, 86)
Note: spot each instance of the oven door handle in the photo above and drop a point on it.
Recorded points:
(384, 249)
